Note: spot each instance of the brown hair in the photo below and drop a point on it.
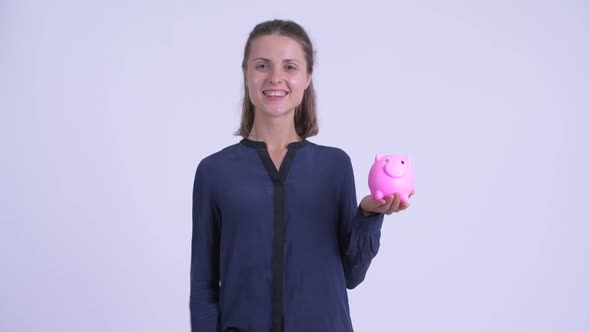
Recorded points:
(305, 114)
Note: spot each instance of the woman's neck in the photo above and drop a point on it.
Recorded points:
(276, 133)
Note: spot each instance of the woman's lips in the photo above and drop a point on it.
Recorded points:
(274, 95)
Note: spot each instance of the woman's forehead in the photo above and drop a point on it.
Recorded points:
(276, 48)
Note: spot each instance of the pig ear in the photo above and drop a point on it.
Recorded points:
(378, 156)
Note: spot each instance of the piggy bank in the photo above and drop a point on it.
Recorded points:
(391, 174)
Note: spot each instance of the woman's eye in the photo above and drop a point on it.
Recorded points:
(291, 67)
(262, 66)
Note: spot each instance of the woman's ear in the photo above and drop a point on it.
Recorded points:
(308, 82)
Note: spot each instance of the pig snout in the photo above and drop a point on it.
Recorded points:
(395, 169)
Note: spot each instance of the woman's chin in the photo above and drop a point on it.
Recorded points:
(275, 111)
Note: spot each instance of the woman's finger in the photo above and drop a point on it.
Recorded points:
(381, 204)
(391, 210)
(394, 207)
(404, 206)
(390, 200)
(397, 200)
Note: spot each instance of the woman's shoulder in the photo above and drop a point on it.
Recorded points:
(331, 152)
(215, 159)
(331, 159)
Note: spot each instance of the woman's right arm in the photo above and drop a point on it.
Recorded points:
(204, 271)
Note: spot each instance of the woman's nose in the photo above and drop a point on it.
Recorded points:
(276, 76)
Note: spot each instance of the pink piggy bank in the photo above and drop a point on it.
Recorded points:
(391, 174)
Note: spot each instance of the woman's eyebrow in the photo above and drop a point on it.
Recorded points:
(268, 60)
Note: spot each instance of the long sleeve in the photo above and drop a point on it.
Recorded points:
(204, 270)
(359, 236)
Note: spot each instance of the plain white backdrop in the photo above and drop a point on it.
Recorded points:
(106, 108)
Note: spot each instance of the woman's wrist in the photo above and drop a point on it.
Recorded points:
(366, 213)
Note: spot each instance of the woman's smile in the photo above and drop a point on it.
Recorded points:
(272, 95)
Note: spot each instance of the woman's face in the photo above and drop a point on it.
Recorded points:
(276, 74)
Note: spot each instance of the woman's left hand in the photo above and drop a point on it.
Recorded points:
(387, 206)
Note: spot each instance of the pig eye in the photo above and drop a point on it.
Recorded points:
(403, 163)
(386, 160)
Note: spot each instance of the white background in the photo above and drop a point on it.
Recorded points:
(106, 108)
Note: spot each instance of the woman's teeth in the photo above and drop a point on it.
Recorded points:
(275, 93)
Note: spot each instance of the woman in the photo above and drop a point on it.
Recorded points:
(278, 236)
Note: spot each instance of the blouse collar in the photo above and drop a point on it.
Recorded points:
(262, 145)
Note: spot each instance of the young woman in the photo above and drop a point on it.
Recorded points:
(278, 235)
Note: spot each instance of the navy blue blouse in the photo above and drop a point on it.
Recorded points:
(275, 250)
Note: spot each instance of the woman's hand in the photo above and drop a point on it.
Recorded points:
(387, 206)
